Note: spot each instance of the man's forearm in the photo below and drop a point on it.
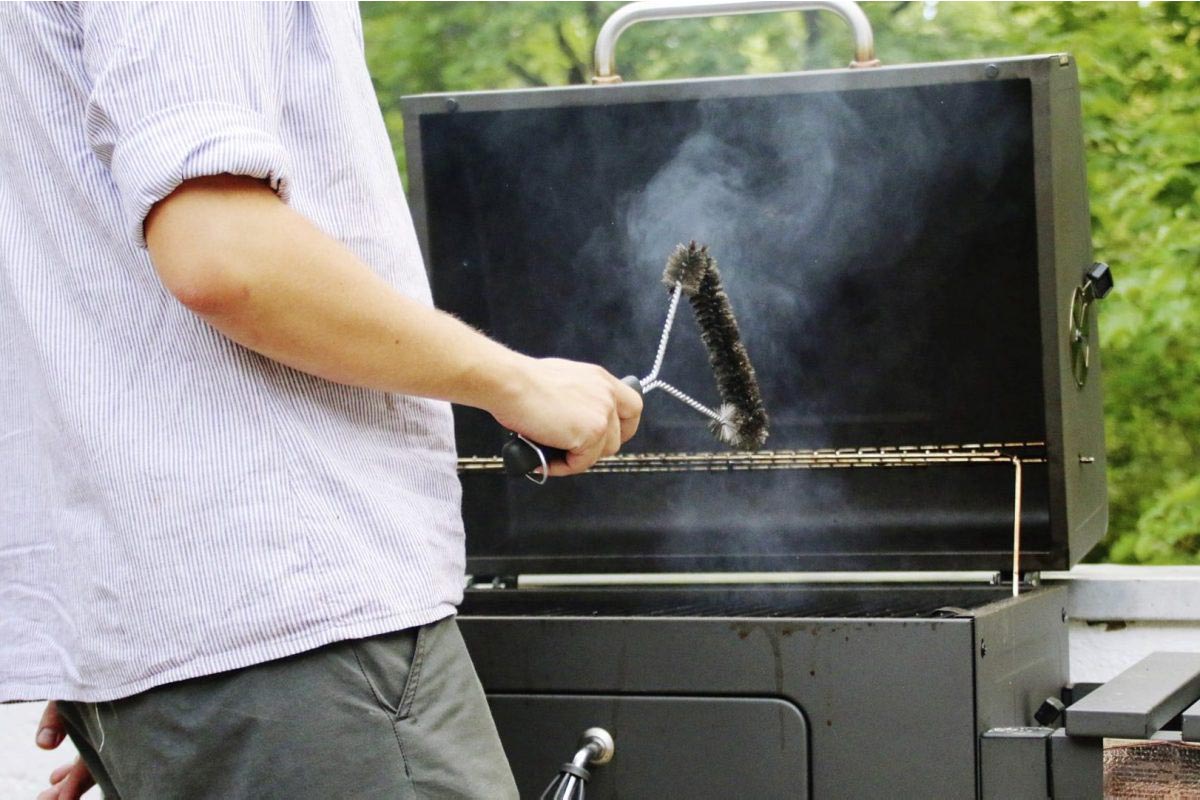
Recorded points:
(267, 278)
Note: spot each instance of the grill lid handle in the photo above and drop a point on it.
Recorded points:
(651, 10)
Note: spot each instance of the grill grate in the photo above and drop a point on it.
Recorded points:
(1015, 453)
(845, 458)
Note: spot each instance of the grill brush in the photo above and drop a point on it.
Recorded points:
(740, 421)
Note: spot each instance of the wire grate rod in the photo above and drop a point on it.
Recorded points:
(844, 458)
(1015, 454)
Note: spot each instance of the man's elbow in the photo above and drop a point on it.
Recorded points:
(210, 295)
(199, 246)
(207, 280)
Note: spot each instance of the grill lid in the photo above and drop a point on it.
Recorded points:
(901, 246)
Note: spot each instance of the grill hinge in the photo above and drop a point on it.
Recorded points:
(1030, 579)
(491, 581)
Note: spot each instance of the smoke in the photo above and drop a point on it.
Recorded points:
(812, 207)
(816, 209)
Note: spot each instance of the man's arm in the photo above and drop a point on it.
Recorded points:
(233, 253)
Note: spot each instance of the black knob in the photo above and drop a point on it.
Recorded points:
(1100, 277)
(1049, 712)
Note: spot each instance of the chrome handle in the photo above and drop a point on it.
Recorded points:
(650, 10)
(595, 748)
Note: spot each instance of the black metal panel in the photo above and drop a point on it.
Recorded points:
(884, 235)
(667, 748)
(1074, 414)
(1076, 767)
(1021, 656)
(1013, 764)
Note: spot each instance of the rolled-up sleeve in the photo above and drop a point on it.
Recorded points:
(184, 90)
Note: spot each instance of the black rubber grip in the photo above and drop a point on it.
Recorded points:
(521, 457)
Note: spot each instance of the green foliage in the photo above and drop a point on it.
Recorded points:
(1140, 74)
(1168, 532)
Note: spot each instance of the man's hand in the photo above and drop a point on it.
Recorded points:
(576, 407)
(264, 276)
(69, 781)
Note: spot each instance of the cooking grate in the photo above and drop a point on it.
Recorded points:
(829, 603)
(1015, 453)
(845, 458)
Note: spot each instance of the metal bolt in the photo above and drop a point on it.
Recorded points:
(982, 648)
(991, 71)
(451, 105)
(1064, 60)
(1087, 459)
(600, 742)
(1064, 614)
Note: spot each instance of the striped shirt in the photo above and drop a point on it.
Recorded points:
(173, 504)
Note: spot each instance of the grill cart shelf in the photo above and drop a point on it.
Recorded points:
(907, 249)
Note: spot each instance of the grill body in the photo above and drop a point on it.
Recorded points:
(902, 246)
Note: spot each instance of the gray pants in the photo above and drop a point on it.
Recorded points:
(395, 716)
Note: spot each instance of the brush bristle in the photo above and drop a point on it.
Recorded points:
(744, 419)
(687, 266)
(727, 429)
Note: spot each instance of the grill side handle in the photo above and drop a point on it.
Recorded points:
(653, 10)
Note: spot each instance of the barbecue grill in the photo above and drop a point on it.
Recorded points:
(908, 251)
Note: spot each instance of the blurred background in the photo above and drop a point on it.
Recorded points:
(1139, 67)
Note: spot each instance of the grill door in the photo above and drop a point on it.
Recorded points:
(666, 747)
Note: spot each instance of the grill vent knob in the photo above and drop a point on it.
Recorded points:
(1101, 280)
(1049, 712)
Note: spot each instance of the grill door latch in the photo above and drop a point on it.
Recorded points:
(1097, 283)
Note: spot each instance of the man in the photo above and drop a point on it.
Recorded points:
(232, 544)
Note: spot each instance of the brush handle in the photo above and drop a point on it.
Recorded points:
(522, 457)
